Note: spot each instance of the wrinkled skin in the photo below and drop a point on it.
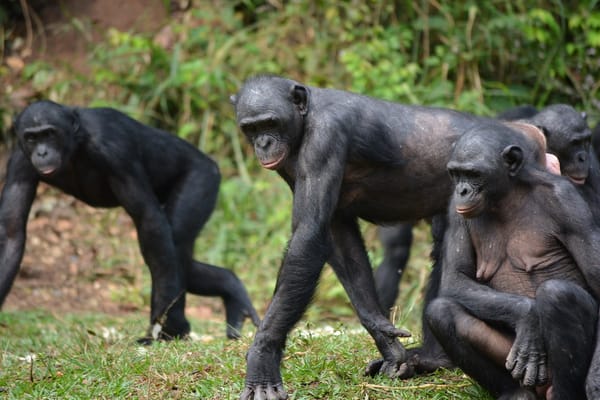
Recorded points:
(521, 275)
(107, 159)
(344, 156)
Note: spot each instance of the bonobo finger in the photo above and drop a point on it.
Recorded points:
(401, 333)
(406, 370)
(273, 393)
(530, 375)
(259, 393)
(511, 359)
(374, 367)
(542, 378)
(247, 393)
(519, 370)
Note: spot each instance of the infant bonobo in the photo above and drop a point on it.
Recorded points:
(106, 159)
(521, 271)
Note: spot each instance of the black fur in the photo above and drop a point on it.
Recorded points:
(107, 159)
(516, 310)
(345, 156)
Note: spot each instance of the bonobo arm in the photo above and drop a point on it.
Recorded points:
(319, 171)
(526, 360)
(133, 190)
(579, 234)
(459, 280)
(15, 202)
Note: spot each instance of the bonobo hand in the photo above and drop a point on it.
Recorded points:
(263, 379)
(527, 360)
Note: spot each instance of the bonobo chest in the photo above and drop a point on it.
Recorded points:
(85, 182)
(519, 256)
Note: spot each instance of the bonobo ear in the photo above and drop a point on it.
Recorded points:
(300, 98)
(233, 99)
(584, 115)
(513, 159)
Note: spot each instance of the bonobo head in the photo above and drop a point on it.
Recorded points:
(486, 161)
(45, 131)
(568, 137)
(270, 111)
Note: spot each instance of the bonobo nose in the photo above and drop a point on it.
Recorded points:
(264, 141)
(582, 157)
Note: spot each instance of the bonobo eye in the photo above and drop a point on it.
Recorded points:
(464, 174)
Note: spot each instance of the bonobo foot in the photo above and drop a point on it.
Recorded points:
(237, 308)
(162, 333)
(263, 379)
(417, 362)
(264, 392)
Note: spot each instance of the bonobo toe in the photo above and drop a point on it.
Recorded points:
(264, 392)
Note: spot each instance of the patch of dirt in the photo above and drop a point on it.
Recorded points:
(77, 258)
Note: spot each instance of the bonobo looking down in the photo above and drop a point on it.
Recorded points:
(106, 159)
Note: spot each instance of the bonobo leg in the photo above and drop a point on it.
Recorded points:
(351, 264)
(592, 382)
(296, 283)
(430, 355)
(208, 280)
(188, 208)
(568, 315)
(396, 241)
(473, 345)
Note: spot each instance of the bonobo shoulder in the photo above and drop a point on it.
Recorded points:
(564, 201)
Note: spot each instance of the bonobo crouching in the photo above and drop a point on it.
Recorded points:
(517, 306)
(106, 159)
(344, 156)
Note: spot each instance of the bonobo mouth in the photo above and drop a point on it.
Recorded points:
(273, 164)
(467, 211)
(47, 171)
(577, 180)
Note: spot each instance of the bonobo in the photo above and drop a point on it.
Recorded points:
(106, 159)
(569, 138)
(345, 156)
(517, 305)
(397, 239)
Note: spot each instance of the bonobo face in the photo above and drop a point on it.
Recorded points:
(480, 167)
(270, 113)
(469, 184)
(264, 132)
(569, 138)
(43, 131)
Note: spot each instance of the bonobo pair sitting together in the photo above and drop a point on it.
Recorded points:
(515, 304)
(517, 245)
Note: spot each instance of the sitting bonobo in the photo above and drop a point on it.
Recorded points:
(517, 305)
(106, 159)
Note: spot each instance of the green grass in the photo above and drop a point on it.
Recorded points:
(72, 358)
(46, 356)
